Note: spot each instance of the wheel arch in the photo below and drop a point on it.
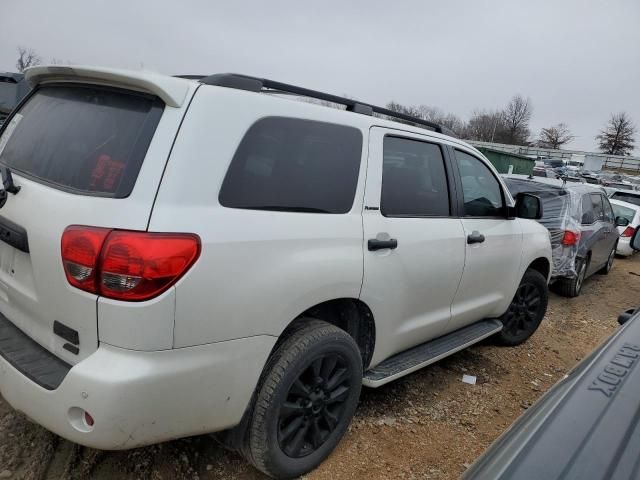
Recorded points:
(349, 314)
(541, 265)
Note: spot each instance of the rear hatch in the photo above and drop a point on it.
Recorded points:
(77, 152)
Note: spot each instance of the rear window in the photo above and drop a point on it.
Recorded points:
(624, 212)
(627, 197)
(288, 164)
(87, 140)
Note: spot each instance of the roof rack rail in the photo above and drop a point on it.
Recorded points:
(254, 84)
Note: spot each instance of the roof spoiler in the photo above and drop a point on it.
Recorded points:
(172, 91)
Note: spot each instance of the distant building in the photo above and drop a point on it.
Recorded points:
(13, 87)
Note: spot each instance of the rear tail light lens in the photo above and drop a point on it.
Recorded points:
(628, 232)
(570, 238)
(80, 251)
(126, 265)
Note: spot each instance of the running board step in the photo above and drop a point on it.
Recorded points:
(430, 352)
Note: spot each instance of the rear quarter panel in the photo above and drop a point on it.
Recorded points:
(258, 270)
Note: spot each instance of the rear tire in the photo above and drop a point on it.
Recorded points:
(526, 311)
(571, 287)
(305, 402)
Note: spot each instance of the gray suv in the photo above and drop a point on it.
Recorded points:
(582, 227)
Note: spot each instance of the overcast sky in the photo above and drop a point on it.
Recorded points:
(578, 60)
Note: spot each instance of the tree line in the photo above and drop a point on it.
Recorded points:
(510, 125)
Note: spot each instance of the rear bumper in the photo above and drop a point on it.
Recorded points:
(624, 247)
(139, 398)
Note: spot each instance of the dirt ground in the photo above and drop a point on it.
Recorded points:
(428, 425)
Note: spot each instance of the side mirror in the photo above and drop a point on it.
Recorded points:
(635, 240)
(621, 222)
(528, 206)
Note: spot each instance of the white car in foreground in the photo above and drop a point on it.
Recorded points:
(631, 212)
(184, 256)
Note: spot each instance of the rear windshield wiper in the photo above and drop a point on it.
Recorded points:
(283, 208)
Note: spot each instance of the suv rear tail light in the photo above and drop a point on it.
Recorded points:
(80, 251)
(628, 232)
(126, 265)
(570, 238)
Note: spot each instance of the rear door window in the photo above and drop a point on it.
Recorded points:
(587, 210)
(598, 209)
(608, 211)
(414, 181)
(288, 164)
(84, 139)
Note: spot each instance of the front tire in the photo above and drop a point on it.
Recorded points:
(307, 398)
(526, 311)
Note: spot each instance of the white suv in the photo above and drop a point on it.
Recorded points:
(182, 256)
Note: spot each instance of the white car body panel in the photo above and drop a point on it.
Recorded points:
(490, 274)
(624, 243)
(420, 305)
(288, 261)
(138, 398)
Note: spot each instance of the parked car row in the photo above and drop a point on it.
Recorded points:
(555, 168)
(586, 232)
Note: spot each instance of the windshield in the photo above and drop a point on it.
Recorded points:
(85, 139)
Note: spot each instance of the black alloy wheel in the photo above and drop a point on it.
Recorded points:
(523, 311)
(305, 401)
(526, 311)
(314, 405)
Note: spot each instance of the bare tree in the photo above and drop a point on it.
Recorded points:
(618, 136)
(431, 114)
(555, 136)
(27, 57)
(484, 126)
(517, 115)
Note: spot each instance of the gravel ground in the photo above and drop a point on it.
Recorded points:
(428, 425)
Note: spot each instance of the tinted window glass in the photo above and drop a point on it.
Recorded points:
(482, 193)
(608, 211)
(624, 212)
(88, 140)
(294, 165)
(414, 182)
(627, 197)
(587, 210)
(596, 203)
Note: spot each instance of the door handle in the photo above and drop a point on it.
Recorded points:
(374, 244)
(475, 237)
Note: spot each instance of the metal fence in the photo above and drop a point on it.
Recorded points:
(609, 162)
